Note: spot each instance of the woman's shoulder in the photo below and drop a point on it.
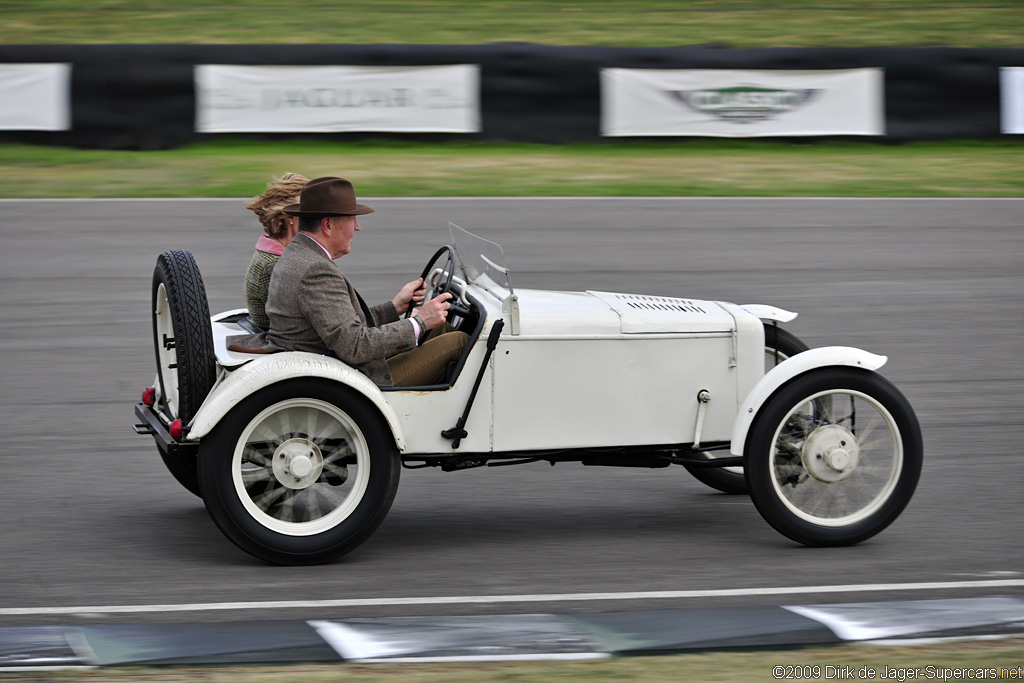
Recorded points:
(262, 261)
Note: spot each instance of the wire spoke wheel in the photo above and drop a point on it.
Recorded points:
(834, 457)
(837, 468)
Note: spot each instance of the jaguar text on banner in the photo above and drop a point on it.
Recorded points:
(334, 99)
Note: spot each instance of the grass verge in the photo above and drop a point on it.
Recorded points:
(230, 168)
(736, 23)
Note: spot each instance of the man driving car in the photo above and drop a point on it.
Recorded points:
(314, 307)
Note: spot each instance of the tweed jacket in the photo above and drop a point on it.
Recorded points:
(313, 307)
(257, 279)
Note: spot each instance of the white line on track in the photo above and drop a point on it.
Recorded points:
(495, 599)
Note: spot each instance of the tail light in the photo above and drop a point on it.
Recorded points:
(175, 430)
(149, 396)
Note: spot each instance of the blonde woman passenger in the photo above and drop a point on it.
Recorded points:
(279, 229)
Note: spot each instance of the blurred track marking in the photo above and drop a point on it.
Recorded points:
(495, 599)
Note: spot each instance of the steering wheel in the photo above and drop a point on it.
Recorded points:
(447, 286)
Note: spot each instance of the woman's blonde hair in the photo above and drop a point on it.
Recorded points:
(280, 193)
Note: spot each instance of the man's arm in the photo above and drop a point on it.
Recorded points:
(385, 312)
(331, 309)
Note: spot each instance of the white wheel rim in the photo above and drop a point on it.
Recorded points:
(860, 492)
(302, 502)
(167, 358)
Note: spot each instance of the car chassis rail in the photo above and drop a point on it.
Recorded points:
(640, 456)
(152, 424)
(645, 456)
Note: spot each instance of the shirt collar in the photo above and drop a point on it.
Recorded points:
(306, 234)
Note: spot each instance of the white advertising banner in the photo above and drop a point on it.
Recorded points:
(1011, 88)
(332, 99)
(35, 96)
(733, 103)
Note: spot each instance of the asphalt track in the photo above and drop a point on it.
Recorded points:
(94, 530)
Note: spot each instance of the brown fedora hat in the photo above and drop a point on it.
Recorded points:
(327, 197)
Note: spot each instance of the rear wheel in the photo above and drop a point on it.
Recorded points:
(300, 472)
(834, 457)
(183, 339)
(183, 467)
(779, 345)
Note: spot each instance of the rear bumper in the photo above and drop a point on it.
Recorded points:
(150, 423)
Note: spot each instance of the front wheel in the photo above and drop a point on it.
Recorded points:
(779, 344)
(300, 472)
(833, 457)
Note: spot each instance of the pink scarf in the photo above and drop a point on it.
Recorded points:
(271, 246)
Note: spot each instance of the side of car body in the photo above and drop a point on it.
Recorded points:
(595, 377)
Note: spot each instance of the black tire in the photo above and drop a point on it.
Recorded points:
(779, 345)
(299, 473)
(813, 473)
(183, 340)
(183, 466)
(185, 362)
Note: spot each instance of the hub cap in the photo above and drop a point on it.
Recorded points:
(298, 463)
(830, 453)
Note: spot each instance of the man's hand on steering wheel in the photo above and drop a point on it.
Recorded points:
(411, 295)
(437, 288)
(435, 311)
(440, 287)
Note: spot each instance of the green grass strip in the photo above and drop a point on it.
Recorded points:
(737, 23)
(711, 168)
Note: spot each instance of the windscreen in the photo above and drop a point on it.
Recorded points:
(482, 262)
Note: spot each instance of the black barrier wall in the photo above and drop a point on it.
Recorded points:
(142, 96)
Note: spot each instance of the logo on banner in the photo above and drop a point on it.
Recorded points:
(272, 99)
(234, 98)
(745, 103)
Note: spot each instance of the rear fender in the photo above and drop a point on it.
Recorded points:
(826, 356)
(277, 367)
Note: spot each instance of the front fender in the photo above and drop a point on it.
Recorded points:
(766, 312)
(788, 369)
(276, 367)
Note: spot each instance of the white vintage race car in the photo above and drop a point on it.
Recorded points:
(297, 456)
